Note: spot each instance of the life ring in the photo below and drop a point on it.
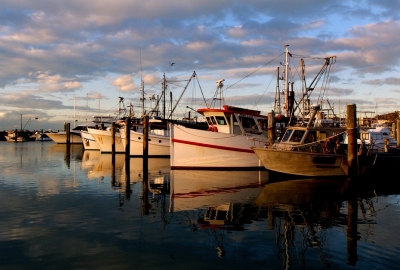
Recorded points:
(212, 128)
(330, 145)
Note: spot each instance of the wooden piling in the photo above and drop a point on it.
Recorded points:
(128, 139)
(352, 141)
(271, 128)
(113, 142)
(113, 137)
(398, 133)
(145, 145)
(145, 183)
(68, 134)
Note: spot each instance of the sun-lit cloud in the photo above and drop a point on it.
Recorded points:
(124, 83)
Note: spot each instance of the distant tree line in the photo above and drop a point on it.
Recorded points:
(389, 117)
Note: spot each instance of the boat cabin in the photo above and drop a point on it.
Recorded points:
(235, 120)
(299, 136)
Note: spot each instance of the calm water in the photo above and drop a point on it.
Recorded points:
(74, 210)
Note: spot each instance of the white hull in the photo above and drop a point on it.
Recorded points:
(15, 139)
(158, 145)
(201, 149)
(89, 143)
(61, 137)
(104, 140)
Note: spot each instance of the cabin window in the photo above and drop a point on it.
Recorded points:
(287, 135)
(364, 136)
(322, 136)
(311, 136)
(220, 120)
(211, 120)
(235, 121)
(297, 135)
(248, 122)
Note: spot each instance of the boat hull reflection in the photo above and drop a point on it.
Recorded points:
(193, 189)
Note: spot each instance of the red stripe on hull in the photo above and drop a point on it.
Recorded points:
(213, 146)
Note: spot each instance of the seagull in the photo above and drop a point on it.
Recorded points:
(172, 64)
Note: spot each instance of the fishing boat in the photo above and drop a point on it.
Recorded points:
(60, 137)
(105, 138)
(378, 139)
(100, 122)
(21, 135)
(17, 136)
(158, 138)
(232, 132)
(41, 136)
(314, 150)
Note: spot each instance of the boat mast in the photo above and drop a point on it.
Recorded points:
(74, 111)
(163, 91)
(287, 81)
(143, 112)
(277, 105)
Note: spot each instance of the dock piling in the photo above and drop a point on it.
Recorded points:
(398, 133)
(271, 128)
(352, 141)
(128, 140)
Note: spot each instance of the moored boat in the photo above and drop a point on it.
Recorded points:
(312, 150)
(104, 139)
(99, 122)
(226, 145)
(18, 136)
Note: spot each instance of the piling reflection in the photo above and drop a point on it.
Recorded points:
(300, 212)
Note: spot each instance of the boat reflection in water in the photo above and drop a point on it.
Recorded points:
(193, 189)
(306, 213)
(100, 165)
(218, 202)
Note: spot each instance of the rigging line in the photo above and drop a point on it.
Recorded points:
(253, 72)
(273, 78)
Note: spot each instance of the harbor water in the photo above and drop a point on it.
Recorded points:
(75, 209)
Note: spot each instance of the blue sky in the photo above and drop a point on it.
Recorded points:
(59, 55)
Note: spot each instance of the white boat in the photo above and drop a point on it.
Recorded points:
(41, 136)
(227, 145)
(89, 143)
(13, 136)
(158, 138)
(158, 143)
(378, 139)
(104, 139)
(99, 122)
(60, 137)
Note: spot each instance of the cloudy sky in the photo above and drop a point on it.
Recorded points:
(65, 60)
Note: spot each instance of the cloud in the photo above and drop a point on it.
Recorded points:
(124, 83)
(388, 81)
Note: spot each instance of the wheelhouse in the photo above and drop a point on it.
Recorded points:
(235, 120)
